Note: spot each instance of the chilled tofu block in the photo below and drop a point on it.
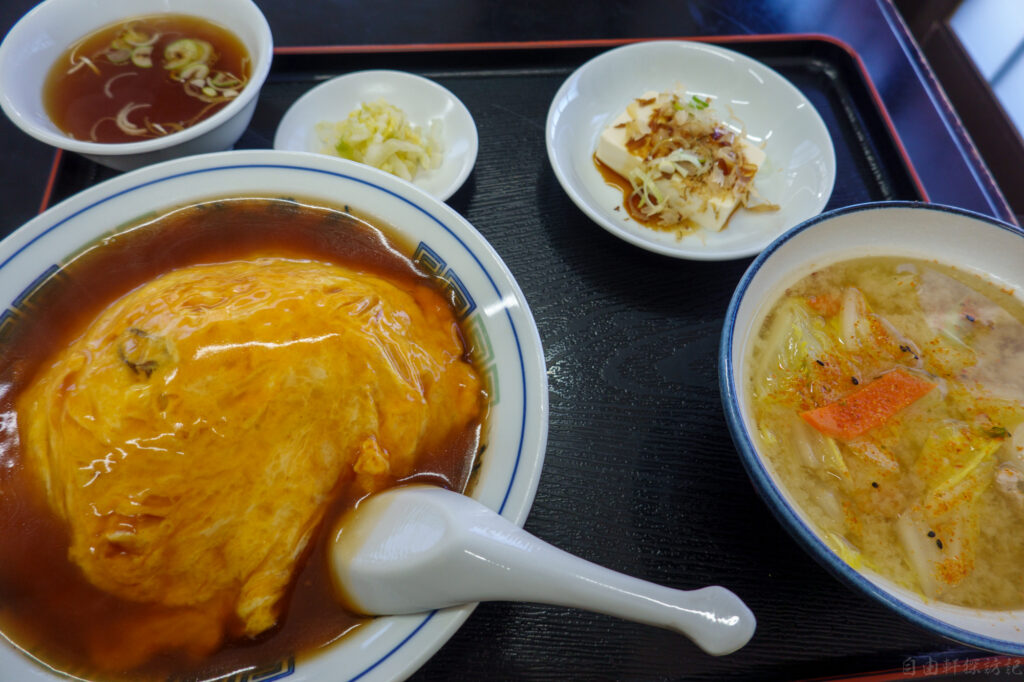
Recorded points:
(712, 208)
(713, 213)
(611, 148)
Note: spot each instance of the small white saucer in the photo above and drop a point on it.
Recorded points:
(420, 98)
(798, 174)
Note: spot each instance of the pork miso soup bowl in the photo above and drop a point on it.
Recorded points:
(45, 33)
(507, 431)
(877, 407)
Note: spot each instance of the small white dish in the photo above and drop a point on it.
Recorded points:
(420, 98)
(798, 174)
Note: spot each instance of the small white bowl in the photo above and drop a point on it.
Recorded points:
(494, 310)
(798, 174)
(42, 35)
(973, 243)
(420, 98)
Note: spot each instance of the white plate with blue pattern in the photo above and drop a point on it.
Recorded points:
(496, 316)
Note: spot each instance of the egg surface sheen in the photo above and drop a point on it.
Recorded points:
(193, 435)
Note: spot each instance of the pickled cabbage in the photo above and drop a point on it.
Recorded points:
(380, 135)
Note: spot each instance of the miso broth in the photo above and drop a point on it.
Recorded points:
(888, 396)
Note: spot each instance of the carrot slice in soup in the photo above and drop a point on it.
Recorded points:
(869, 406)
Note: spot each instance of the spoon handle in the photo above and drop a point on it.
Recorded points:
(460, 552)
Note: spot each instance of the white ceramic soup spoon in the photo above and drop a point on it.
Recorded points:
(419, 548)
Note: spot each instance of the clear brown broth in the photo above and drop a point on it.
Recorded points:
(48, 608)
(79, 105)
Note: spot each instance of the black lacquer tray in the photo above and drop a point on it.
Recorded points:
(640, 475)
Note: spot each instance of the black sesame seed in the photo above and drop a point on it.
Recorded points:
(931, 533)
(854, 380)
(874, 484)
(938, 543)
(820, 362)
(970, 318)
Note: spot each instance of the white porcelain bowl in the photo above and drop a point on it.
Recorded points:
(41, 36)
(495, 312)
(974, 243)
(798, 173)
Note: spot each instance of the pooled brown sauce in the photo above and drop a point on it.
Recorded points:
(630, 202)
(46, 605)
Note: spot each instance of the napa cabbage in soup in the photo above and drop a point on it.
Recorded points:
(888, 396)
